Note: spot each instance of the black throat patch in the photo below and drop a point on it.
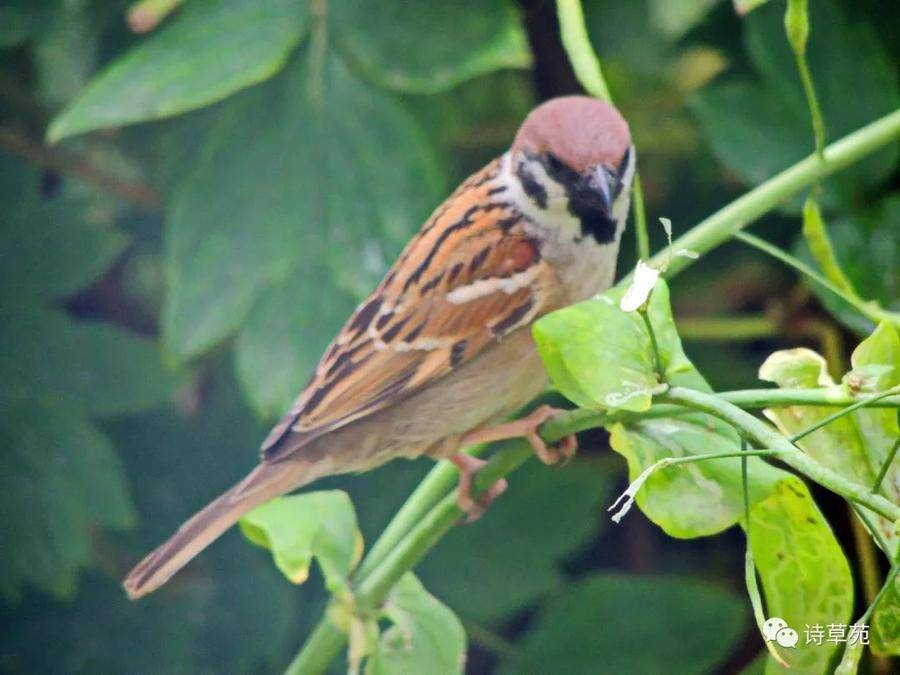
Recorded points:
(583, 202)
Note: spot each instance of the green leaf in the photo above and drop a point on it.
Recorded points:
(49, 249)
(99, 368)
(856, 445)
(740, 118)
(215, 626)
(698, 498)
(339, 176)
(613, 623)
(556, 507)
(298, 528)
(885, 622)
(674, 18)
(426, 637)
(600, 356)
(425, 52)
(62, 478)
(288, 327)
(867, 246)
(215, 48)
(701, 498)
(21, 20)
(737, 118)
(804, 572)
(816, 235)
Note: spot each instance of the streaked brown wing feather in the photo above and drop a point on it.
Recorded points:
(470, 276)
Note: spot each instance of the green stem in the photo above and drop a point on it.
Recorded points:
(876, 533)
(845, 411)
(724, 223)
(640, 219)
(812, 101)
(867, 309)
(432, 488)
(726, 328)
(577, 44)
(876, 486)
(657, 359)
(586, 65)
(575, 421)
(767, 437)
(327, 640)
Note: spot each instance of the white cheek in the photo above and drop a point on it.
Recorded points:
(556, 213)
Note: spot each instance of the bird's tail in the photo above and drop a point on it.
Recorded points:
(263, 483)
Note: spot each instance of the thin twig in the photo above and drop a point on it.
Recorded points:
(15, 143)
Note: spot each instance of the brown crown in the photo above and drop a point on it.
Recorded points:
(582, 132)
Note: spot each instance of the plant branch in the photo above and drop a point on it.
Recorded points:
(724, 223)
(876, 486)
(18, 144)
(586, 65)
(767, 437)
(845, 411)
(726, 328)
(868, 309)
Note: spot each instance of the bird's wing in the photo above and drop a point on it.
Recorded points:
(469, 277)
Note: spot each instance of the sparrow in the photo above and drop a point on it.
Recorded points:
(441, 352)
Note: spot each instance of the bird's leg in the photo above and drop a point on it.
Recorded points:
(526, 428)
(474, 508)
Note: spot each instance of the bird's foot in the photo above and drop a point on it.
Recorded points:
(527, 428)
(473, 507)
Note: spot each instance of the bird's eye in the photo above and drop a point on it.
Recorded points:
(553, 163)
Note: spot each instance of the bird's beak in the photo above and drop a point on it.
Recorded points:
(598, 183)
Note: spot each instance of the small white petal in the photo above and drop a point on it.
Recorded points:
(667, 226)
(645, 278)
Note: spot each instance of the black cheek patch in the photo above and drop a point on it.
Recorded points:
(533, 189)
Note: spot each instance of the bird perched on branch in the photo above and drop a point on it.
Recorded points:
(442, 349)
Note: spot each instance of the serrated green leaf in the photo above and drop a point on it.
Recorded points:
(215, 48)
(614, 623)
(62, 478)
(398, 45)
(339, 176)
(298, 528)
(426, 637)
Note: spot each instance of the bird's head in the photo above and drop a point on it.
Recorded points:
(574, 162)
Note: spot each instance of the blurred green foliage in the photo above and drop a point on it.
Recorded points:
(168, 281)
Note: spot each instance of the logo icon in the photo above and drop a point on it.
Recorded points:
(777, 629)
